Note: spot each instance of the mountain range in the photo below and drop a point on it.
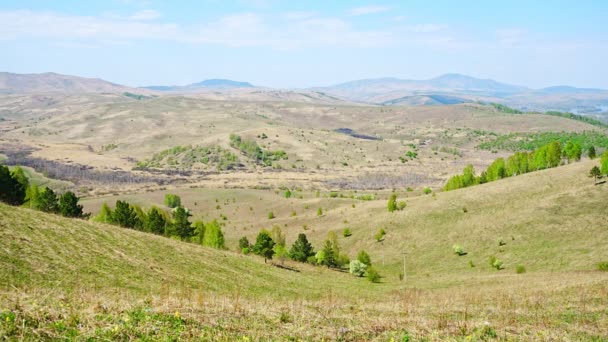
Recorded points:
(443, 90)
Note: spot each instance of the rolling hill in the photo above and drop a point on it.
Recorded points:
(211, 84)
(63, 277)
(50, 82)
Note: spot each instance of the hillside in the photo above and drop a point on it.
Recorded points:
(93, 280)
(56, 83)
(214, 84)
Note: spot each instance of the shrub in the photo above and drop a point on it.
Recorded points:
(244, 243)
(346, 232)
(427, 190)
(372, 275)
(459, 250)
(380, 235)
(287, 194)
(496, 263)
(319, 212)
(519, 269)
(392, 203)
(357, 268)
(401, 205)
(172, 201)
(364, 258)
(603, 266)
(271, 215)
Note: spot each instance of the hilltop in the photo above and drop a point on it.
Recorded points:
(51, 82)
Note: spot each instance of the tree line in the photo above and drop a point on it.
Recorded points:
(15, 189)
(544, 157)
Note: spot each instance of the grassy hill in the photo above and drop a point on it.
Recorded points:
(61, 277)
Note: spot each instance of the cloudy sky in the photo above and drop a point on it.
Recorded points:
(289, 43)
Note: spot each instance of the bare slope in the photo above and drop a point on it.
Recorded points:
(56, 83)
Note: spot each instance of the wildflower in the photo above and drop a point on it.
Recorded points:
(177, 314)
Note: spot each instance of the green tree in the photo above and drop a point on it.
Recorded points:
(380, 235)
(244, 245)
(278, 236)
(591, 152)
(19, 175)
(11, 191)
(573, 151)
(301, 249)
(68, 205)
(364, 258)
(173, 201)
(327, 257)
(48, 201)
(264, 245)
(214, 237)
(198, 232)
(32, 197)
(124, 215)
(357, 268)
(392, 203)
(595, 172)
(181, 226)
(105, 215)
(604, 163)
(372, 275)
(156, 221)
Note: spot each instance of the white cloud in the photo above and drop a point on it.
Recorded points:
(512, 36)
(368, 9)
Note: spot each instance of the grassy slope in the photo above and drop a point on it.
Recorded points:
(52, 269)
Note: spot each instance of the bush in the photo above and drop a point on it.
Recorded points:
(392, 203)
(346, 232)
(496, 263)
(519, 269)
(372, 275)
(427, 190)
(173, 201)
(287, 194)
(271, 215)
(319, 212)
(364, 258)
(380, 235)
(401, 205)
(357, 268)
(603, 266)
(459, 250)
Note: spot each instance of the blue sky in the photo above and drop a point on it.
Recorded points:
(283, 43)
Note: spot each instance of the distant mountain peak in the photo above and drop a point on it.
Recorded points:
(213, 83)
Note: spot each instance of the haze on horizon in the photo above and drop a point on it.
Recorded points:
(287, 44)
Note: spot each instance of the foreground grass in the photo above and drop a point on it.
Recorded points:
(71, 279)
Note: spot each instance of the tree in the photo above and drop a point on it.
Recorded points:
(48, 201)
(173, 201)
(280, 252)
(573, 151)
(357, 268)
(595, 172)
(19, 175)
(124, 215)
(591, 152)
(327, 256)
(301, 250)
(32, 197)
(604, 162)
(244, 245)
(264, 245)
(213, 235)
(372, 275)
(181, 226)
(156, 221)
(68, 205)
(198, 232)
(11, 191)
(380, 235)
(392, 203)
(105, 215)
(278, 236)
(364, 258)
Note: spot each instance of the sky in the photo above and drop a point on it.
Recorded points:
(297, 44)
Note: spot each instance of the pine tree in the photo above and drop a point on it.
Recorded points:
(392, 203)
(591, 152)
(124, 215)
(155, 222)
(105, 215)
(11, 191)
(301, 249)
(181, 226)
(68, 205)
(48, 201)
(363, 257)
